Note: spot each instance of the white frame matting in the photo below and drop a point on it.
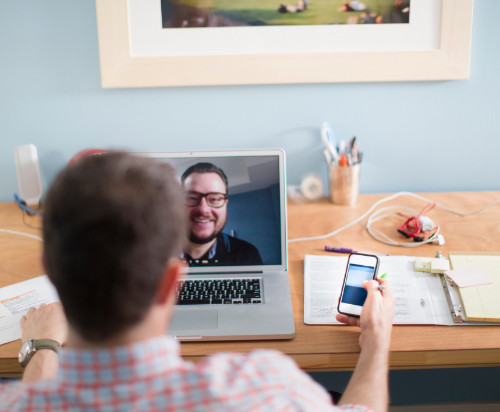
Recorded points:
(119, 68)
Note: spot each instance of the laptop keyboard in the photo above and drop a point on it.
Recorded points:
(219, 292)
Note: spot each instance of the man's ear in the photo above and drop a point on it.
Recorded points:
(174, 271)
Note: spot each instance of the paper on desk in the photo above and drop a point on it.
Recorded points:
(419, 296)
(15, 300)
(468, 277)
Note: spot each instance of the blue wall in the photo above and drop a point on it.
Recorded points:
(421, 136)
(254, 216)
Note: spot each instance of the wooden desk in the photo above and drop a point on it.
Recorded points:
(326, 348)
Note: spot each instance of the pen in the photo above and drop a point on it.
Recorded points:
(381, 287)
(353, 140)
(346, 250)
(341, 147)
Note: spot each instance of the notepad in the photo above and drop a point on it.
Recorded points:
(481, 303)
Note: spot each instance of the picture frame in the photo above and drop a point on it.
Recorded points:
(119, 69)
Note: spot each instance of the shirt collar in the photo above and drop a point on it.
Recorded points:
(120, 363)
(211, 252)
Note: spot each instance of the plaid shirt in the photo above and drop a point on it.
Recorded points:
(152, 376)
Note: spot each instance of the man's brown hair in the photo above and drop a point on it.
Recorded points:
(205, 168)
(111, 224)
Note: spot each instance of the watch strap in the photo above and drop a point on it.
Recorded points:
(46, 344)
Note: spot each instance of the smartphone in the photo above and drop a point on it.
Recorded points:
(359, 268)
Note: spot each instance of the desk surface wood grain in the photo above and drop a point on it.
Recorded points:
(323, 348)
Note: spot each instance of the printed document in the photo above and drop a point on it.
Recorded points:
(419, 296)
(15, 300)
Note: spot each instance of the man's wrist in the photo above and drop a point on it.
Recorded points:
(44, 364)
(42, 355)
(376, 345)
(31, 346)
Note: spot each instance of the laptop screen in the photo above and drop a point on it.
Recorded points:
(233, 206)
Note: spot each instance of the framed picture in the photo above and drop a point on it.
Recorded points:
(154, 43)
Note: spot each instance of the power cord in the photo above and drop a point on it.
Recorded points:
(22, 206)
(13, 232)
(374, 218)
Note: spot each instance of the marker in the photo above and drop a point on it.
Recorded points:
(346, 250)
(383, 276)
(343, 161)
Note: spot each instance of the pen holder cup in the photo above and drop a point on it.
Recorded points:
(344, 184)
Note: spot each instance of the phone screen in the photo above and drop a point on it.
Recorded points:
(354, 293)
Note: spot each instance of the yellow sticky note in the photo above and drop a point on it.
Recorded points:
(439, 265)
(422, 264)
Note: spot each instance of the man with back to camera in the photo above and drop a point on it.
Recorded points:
(114, 226)
(206, 190)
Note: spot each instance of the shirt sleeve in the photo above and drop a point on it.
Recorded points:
(266, 381)
(12, 396)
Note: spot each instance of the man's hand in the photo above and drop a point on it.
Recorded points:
(46, 322)
(369, 383)
(376, 315)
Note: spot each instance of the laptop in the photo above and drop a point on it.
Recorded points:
(236, 286)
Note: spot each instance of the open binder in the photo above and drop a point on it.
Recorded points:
(421, 298)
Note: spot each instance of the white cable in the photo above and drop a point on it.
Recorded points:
(386, 199)
(375, 218)
(13, 232)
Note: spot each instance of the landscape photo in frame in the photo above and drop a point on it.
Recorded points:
(230, 13)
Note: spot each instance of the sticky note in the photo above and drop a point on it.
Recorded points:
(422, 264)
(468, 277)
(439, 265)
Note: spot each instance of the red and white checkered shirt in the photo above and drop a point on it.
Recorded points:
(152, 376)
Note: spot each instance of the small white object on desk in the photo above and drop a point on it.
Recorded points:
(311, 187)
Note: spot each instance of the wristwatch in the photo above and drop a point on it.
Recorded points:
(30, 346)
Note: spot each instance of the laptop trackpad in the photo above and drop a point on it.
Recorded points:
(194, 319)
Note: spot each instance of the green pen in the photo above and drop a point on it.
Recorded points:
(382, 286)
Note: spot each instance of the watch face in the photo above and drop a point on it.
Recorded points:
(25, 349)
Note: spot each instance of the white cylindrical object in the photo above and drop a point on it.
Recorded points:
(28, 174)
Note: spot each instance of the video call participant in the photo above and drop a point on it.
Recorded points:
(206, 189)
